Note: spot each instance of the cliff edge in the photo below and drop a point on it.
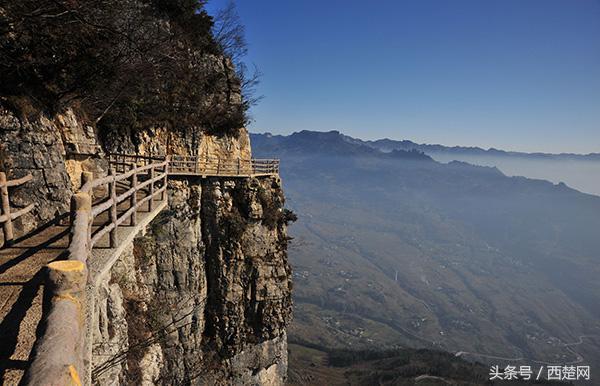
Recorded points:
(204, 296)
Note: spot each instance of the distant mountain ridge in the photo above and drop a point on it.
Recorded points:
(331, 143)
(578, 171)
(389, 145)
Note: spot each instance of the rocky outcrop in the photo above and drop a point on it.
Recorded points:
(160, 141)
(205, 294)
(55, 151)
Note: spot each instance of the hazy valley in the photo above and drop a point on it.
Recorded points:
(397, 249)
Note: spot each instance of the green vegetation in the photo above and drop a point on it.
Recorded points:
(273, 214)
(314, 364)
(288, 216)
(233, 224)
(125, 64)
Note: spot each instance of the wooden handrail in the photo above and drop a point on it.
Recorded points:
(18, 181)
(118, 177)
(17, 214)
(114, 199)
(52, 356)
(7, 216)
(156, 172)
(193, 165)
(112, 202)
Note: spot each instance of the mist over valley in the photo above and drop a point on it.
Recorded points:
(393, 248)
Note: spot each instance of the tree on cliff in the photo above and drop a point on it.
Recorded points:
(229, 33)
(123, 64)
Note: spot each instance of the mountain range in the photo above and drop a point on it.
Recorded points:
(580, 171)
(387, 145)
(394, 249)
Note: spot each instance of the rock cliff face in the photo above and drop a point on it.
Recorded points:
(55, 151)
(190, 141)
(204, 296)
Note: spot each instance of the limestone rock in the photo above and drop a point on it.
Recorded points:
(36, 148)
(211, 287)
(204, 297)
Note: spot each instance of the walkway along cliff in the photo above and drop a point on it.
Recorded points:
(166, 261)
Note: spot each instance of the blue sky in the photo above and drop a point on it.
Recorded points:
(511, 74)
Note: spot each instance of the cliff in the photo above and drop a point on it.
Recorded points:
(203, 297)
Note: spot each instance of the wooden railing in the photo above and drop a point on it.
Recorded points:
(136, 179)
(201, 166)
(8, 215)
(122, 162)
(214, 166)
(63, 352)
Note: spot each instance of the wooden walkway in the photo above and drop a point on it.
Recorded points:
(21, 291)
(120, 206)
(107, 213)
(22, 282)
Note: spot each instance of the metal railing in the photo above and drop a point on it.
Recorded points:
(8, 215)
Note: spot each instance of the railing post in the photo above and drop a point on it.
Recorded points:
(163, 195)
(59, 354)
(80, 232)
(151, 201)
(113, 209)
(86, 177)
(134, 182)
(7, 226)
